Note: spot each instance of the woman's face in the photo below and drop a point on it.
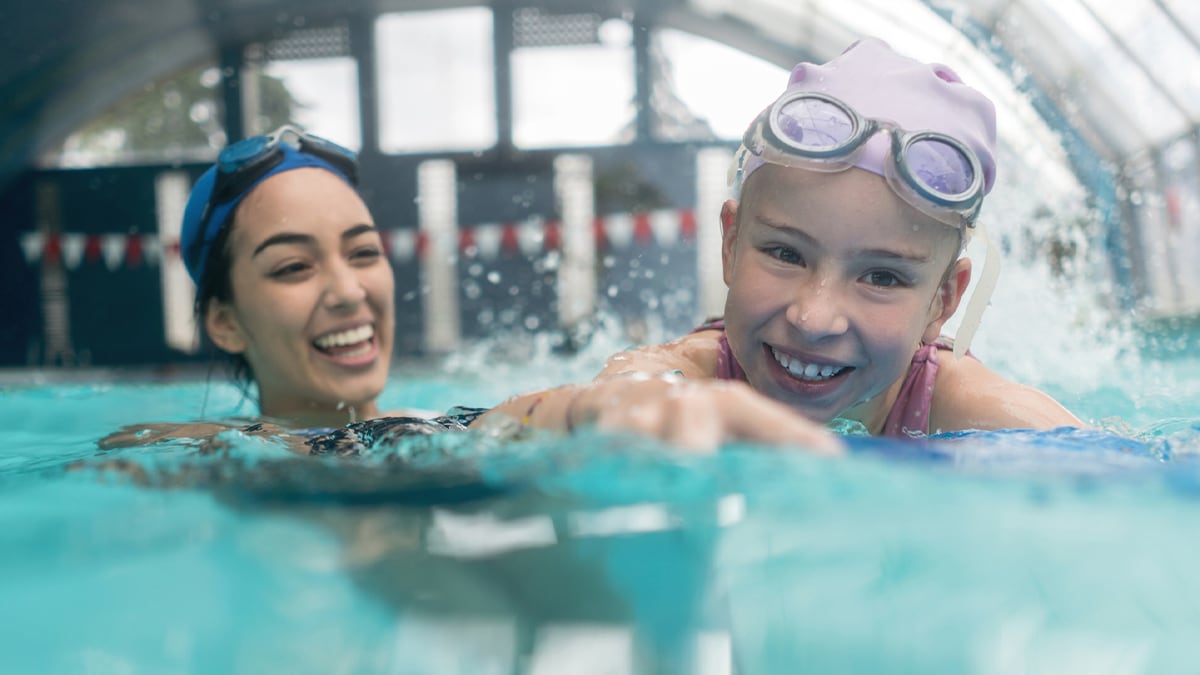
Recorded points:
(312, 307)
(834, 282)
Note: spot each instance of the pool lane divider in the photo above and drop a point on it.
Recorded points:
(529, 238)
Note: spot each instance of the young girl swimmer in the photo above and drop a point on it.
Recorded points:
(858, 190)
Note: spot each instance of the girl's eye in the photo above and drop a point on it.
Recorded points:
(784, 254)
(884, 279)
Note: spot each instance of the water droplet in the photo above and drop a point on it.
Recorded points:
(493, 276)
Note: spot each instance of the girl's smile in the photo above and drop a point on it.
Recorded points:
(834, 282)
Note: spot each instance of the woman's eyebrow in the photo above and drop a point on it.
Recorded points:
(357, 230)
(306, 239)
(283, 238)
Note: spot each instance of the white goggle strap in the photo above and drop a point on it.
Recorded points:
(982, 295)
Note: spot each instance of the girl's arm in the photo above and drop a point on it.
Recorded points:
(667, 392)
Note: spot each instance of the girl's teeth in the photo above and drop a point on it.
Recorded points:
(807, 371)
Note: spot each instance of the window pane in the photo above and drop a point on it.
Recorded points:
(436, 87)
(325, 92)
(572, 96)
(174, 119)
(718, 83)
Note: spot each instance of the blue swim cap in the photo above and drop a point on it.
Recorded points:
(193, 213)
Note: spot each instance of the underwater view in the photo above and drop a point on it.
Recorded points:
(1017, 551)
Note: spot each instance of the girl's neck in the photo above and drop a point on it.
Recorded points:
(873, 412)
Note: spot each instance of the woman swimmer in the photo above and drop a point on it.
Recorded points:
(843, 259)
(292, 283)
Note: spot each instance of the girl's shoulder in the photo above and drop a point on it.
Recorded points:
(693, 355)
(969, 395)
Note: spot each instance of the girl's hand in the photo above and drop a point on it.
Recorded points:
(699, 414)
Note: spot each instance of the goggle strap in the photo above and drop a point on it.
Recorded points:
(982, 295)
(733, 174)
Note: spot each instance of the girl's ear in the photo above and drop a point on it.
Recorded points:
(948, 296)
(728, 237)
(223, 327)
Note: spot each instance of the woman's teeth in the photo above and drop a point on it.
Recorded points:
(346, 337)
(806, 371)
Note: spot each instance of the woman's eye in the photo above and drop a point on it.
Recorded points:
(369, 253)
(784, 254)
(289, 270)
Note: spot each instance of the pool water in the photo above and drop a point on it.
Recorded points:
(1067, 551)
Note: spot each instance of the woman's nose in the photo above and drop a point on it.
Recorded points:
(344, 288)
(817, 310)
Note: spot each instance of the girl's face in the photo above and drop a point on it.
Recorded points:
(834, 281)
(312, 307)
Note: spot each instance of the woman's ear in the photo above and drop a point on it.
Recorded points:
(948, 296)
(728, 237)
(223, 327)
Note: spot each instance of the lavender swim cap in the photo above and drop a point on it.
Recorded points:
(877, 82)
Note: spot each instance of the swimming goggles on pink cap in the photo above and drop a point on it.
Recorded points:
(935, 173)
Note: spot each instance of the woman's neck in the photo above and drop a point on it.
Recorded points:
(320, 415)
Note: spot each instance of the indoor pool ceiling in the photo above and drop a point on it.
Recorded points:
(1119, 75)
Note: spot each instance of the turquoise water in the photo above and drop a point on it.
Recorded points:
(970, 553)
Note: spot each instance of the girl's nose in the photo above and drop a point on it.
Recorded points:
(817, 310)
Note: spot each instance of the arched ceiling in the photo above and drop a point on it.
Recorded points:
(1110, 76)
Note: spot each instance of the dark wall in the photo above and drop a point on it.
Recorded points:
(115, 312)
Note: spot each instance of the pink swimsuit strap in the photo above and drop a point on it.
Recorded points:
(909, 415)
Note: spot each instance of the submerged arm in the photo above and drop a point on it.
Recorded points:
(205, 435)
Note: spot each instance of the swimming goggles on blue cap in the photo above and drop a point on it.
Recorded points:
(242, 164)
(935, 173)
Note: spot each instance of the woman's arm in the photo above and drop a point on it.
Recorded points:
(206, 436)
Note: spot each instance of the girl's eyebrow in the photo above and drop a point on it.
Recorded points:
(904, 256)
(306, 239)
(788, 230)
(908, 256)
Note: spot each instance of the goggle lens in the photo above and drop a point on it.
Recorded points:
(815, 124)
(940, 166)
